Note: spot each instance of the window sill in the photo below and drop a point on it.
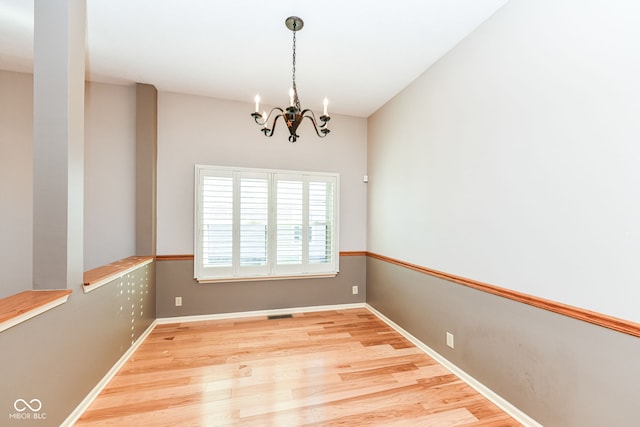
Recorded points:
(21, 307)
(266, 278)
(104, 274)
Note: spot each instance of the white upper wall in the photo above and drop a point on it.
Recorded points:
(515, 159)
(199, 130)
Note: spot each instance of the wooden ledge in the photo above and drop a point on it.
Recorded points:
(106, 273)
(180, 257)
(25, 305)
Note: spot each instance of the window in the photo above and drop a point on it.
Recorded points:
(260, 224)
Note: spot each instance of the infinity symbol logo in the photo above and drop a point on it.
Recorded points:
(21, 405)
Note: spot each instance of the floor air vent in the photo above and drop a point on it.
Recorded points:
(279, 316)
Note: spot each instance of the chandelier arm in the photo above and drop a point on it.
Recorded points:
(323, 120)
(257, 116)
(279, 110)
(269, 132)
(321, 129)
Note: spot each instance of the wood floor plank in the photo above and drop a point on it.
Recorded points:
(334, 368)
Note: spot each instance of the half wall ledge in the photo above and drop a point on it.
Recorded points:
(21, 307)
(104, 274)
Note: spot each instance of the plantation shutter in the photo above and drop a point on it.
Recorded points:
(289, 223)
(253, 224)
(322, 224)
(215, 225)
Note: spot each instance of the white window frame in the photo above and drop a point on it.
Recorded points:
(272, 270)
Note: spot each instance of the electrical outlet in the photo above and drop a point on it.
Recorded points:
(354, 289)
(450, 339)
(178, 301)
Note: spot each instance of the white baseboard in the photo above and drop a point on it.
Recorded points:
(498, 400)
(88, 400)
(237, 315)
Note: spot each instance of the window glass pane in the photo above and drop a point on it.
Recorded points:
(217, 221)
(289, 222)
(320, 222)
(253, 221)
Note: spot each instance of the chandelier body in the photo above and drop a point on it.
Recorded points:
(292, 115)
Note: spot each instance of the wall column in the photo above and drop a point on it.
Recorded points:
(146, 167)
(58, 143)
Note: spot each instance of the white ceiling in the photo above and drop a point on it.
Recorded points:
(358, 53)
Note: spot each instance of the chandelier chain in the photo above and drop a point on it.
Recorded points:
(294, 58)
(296, 100)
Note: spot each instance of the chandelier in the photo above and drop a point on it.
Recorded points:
(293, 114)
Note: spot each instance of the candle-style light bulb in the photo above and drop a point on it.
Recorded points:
(325, 103)
(264, 118)
(257, 99)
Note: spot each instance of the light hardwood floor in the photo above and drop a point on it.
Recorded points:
(345, 368)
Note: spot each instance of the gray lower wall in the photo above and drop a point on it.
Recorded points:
(175, 278)
(558, 370)
(60, 355)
